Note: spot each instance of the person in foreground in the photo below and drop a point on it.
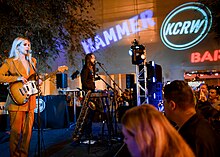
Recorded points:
(148, 133)
(18, 68)
(179, 106)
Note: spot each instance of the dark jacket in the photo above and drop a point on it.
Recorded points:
(201, 137)
(87, 79)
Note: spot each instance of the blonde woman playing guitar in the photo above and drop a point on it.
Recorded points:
(17, 71)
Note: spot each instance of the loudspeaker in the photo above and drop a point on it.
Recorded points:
(154, 71)
(129, 81)
(155, 94)
(61, 79)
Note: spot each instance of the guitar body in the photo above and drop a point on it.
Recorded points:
(20, 92)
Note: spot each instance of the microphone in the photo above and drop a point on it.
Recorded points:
(96, 62)
(33, 52)
(28, 55)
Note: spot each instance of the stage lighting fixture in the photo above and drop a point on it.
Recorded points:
(137, 53)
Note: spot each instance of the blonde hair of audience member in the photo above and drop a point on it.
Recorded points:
(148, 133)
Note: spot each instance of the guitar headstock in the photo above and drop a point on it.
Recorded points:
(62, 68)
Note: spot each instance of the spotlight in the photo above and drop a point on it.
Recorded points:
(130, 52)
(137, 52)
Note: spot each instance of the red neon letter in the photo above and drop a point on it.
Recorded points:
(216, 55)
(195, 57)
(206, 56)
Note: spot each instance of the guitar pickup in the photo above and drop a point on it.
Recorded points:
(22, 91)
(26, 88)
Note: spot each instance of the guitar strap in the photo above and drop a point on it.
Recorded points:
(33, 67)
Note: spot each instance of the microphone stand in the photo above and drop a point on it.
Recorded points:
(114, 98)
(109, 120)
(109, 76)
(108, 86)
(37, 78)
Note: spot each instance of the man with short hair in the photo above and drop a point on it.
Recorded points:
(179, 106)
(214, 97)
(215, 104)
(203, 104)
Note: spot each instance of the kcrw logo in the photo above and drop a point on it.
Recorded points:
(186, 26)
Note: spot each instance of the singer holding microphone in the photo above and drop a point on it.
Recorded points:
(19, 67)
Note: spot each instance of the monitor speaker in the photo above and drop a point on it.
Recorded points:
(129, 81)
(154, 71)
(61, 79)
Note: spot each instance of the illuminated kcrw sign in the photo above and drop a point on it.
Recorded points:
(116, 33)
(186, 26)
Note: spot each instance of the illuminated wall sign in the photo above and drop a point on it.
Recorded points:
(197, 57)
(116, 33)
(186, 26)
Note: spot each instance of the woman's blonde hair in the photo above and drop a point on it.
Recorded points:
(14, 53)
(154, 134)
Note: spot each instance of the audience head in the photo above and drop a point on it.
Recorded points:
(213, 93)
(204, 88)
(147, 132)
(181, 93)
(178, 98)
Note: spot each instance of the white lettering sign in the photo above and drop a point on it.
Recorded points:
(116, 33)
(173, 33)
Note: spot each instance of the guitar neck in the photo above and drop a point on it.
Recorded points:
(60, 69)
(34, 76)
(49, 75)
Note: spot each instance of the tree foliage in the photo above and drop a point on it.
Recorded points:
(53, 26)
